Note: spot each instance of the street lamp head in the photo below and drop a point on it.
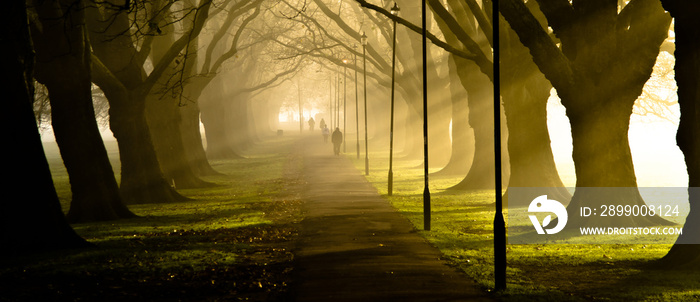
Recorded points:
(363, 39)
(345, 61)
(395, 10)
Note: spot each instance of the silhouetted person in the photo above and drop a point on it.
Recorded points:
(337, 139)
(326, 132)
(311, 124)
(322, 124)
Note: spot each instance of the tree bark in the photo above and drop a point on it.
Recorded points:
(123, 80)
(142, 178)
(525, 94)
(462, 135)
(686, 252)
(192, 139)
(214, 120)
(529, 145)
(35, 223)
(603, 159)
(477, 81)
(63, 65)
(605, 59)
(239, 115)
(164, 119)
(439, 115)
(481, 173)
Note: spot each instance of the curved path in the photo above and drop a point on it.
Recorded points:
(354, 246)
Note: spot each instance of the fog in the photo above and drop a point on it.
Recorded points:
(214, 150)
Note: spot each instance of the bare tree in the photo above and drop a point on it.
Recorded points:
(229, 65)
(163, 104)
(118, 68)
(63, 65)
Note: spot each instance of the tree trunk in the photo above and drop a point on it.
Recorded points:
(63, 57)
(603, 159)
(462, 135)
(686, 252)
(525, 94)
(239, 130)
(529, 146)
(122, 81)
(95, 191)
(531, 159)
(142, 178)
(481, 173)
(192, 140)
(605, 57)
(411, 142)
(214, 120)
(439, 114)
(35, 223)
(163, 115)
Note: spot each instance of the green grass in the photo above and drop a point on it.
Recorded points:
(229, 242)
(461, 228)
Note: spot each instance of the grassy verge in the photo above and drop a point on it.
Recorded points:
(462, 229)
(228, 243)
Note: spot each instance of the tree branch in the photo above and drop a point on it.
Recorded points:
(435, 40)
(545, 53)
(201, 15)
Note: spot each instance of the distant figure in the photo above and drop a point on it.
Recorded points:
(337, 139)
(322, 124)
(311, 124)
(326, 132)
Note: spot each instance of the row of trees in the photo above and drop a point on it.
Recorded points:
(152, 60)
(597, 55)
(165, 65)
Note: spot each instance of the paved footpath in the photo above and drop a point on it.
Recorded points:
(354, 246)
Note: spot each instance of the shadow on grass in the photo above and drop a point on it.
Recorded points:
(221, 264)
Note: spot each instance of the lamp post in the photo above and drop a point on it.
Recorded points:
(345, 93)
(426, 191)
(499, 225)
(395, 12)
(357, 114)
(337, 100)
(363, 40)
(330, 100)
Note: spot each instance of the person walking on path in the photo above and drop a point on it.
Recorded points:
(326, 132)
(322, 124)
(337, 139)
(311, 124)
